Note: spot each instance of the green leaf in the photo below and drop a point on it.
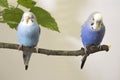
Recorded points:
(12, 16)
(44, 18)
(27, 3)
(3, 3)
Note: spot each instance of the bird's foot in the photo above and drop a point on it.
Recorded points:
(37, 49)
(99, 46)
(20, 47)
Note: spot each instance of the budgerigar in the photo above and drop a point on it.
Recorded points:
(28, 34)
(92, 32)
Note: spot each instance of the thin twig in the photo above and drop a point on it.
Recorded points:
(81, 52)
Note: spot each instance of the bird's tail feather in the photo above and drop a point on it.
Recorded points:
(26, 58)
(83, 61)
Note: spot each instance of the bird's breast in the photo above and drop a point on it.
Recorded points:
(28, 36)
(91, 37)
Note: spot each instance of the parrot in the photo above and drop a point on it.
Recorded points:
(28, 32)
(92, 33)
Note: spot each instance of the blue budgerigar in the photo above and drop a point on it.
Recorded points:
(92, 32)
(28, 34)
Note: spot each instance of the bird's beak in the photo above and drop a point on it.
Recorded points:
(27, 20)
(98, 23)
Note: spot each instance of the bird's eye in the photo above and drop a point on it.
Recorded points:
(92, 23)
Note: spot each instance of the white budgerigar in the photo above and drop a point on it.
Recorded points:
(28, 32)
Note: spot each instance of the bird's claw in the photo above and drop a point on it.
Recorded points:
(99, 46)
(20, 47)
(37, 49)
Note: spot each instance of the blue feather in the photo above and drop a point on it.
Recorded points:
(91, 37)
(28, 34)
(90, 34)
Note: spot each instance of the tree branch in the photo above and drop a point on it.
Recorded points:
(91, 50)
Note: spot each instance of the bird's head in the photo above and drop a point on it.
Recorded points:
(28, 18)
(96, 21)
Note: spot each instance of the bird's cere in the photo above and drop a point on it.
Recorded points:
(98, 17)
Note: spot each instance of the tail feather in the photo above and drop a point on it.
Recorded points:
(83, 61)
(26, 67)
(26, 58)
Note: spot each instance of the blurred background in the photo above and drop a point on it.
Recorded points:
(70, 15)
